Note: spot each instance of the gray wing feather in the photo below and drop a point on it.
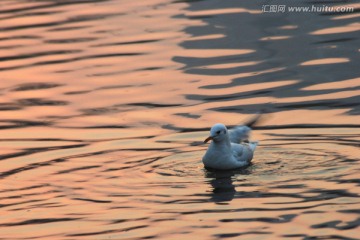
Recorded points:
(239, 134)
(242, 133)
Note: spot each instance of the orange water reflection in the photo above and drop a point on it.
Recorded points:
(104, 105)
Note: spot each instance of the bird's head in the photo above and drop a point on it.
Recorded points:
(218, 132)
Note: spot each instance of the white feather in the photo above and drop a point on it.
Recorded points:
(228, 149)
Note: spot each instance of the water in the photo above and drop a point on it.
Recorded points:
(104, 105)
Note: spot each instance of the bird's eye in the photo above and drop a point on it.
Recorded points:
(218, 132)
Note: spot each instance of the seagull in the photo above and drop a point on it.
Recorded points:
(229, 149)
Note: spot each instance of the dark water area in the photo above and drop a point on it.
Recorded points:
(104, 105)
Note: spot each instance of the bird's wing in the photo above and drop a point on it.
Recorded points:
(242, 152)
(237, 150)
(239, 134)
(242, 133)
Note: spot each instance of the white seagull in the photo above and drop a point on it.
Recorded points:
(229, 149)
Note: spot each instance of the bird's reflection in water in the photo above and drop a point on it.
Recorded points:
(222, 183)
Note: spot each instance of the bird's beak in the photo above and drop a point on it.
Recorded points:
(208, 139)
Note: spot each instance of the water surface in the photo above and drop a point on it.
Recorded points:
(104, 105)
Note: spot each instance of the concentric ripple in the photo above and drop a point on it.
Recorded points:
(105, 103)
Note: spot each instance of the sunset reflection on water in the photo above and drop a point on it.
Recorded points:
(104, 105)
